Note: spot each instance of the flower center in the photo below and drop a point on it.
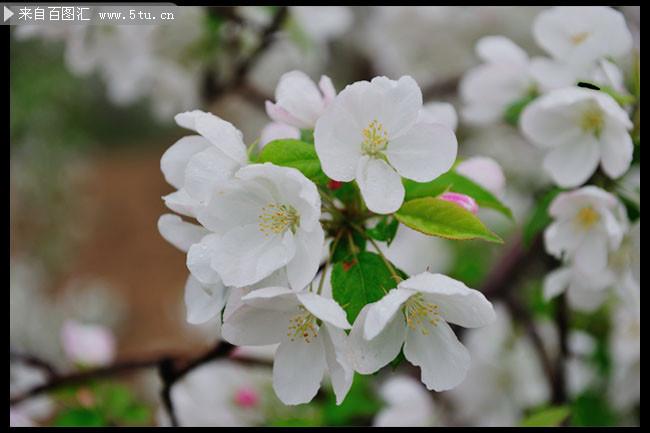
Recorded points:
(304, 325)
(375, 139)
(592, 121)
(277, 218)
(419, 313)
(579, 38)
(587, 217)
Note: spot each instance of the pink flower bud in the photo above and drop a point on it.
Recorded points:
(89, 345)
(462, 200)
(246, 398)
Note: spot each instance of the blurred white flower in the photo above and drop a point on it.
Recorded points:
(220, 393)
(309, 329)
(264, 219)
(485, 171)
(408, 404)
(625, 352)
(371, 133)
(299, 102)
(88, 344)
(585, 290)
(588, 223)
(196, 164)
(504, 78)
(323, 23)
(415, 315)
(580, 128)
(21, 379)
(275, 131)
(18, 419)
(414, 252)
(505, 378)
(579, 372)
(581, 35)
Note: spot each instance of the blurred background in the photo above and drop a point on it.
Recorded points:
(91, 114)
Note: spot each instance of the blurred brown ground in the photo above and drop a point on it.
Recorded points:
(123, 247)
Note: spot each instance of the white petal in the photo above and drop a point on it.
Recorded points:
(616, 149)
(424, 152)
(341, 373)
(551, 74)
(327, 87)
(457, 303)
(250, 326)
(401, 104)
(304, 265)
(499, 49)
(245, 255)
(572, 164)
(281, 115)
(561, 237)
(383, 311)
(556, 282)
(485, 171)
(439, 112)
(298, 370)
(202, 306)
(365, 356)
(325, 309)
(444, 361)
(207, 169)
(591, 255)
(272, 298)
(550, 120)
(223, 135)
(299, 95)
(584, 299)
(180, 201)
(175, 159)
(381, 186)
(275, 130)
(337, 139)
(199, 257)
(187, 119)
(179, 233)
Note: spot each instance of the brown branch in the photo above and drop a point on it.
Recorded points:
(171, 368)
(33, 361)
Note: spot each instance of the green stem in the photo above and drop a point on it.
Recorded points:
(387, 262)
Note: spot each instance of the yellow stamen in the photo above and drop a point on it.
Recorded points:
(587, 217)
(375, 139)
(420, 313)
(579, 38)
(304, 325)
(277, 218)
(593, 121)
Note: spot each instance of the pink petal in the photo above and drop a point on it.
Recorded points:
(462, 200)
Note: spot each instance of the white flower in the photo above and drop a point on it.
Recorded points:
(588, 224)
(506, 376)
(18, 419)
(86, 344)
(23, 378)
(276, 130)
(504, 77)
(196, 164)
(265, 219)
(625, 352)
(299, 102)
(484, 171)
(585, 290)
(309, 329)
(414, 252)
(220, 393)
(580, 128)
(581, 35)
(551, 74)
(440, 112)
(371, 133)
(415, 314)
(323, 23)
(579, 371)
(409, 404)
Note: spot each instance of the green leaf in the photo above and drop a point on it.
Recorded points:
(361, 280)
(136, 414)
(359, 405)
(307, 135)
(539, 219)
(548, 417)
(436, 217)
(514, 110)
(591, 409)
(385, 230)
(296, 154)
(79, 417)
(452, 181)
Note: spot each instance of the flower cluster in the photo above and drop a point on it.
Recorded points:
(273, 226)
